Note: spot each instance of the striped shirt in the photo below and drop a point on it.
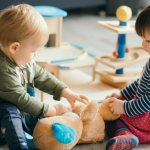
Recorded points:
(137, 94)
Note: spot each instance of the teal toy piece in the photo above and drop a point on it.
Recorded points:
(30, 142)
(29, 138)
(50, 11)
(66, 59)
(121, 48)
(31, 91)
(63, 133)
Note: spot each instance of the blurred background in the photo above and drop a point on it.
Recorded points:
(80, 26)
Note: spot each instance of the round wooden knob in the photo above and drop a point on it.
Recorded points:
(115, 53)
(127, 50)
(124, 13)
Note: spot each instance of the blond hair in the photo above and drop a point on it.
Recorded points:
(18, 23)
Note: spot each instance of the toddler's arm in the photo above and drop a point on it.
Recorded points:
(129, 91)
(47, 82)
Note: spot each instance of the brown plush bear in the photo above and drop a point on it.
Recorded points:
(65, 131)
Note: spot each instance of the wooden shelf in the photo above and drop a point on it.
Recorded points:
(65, 53)
(134, 55)
(65, 57)
(129, 75)
(115, 27)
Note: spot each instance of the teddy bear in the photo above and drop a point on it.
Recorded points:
(85, 124)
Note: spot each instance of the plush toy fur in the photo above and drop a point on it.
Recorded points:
(65, 131)
(105, 111)
(43, 133)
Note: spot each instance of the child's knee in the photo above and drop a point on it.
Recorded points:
(10, 119)
(11, 111)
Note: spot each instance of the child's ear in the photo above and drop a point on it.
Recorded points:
(14, 47)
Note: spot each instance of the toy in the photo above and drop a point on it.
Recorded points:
(64, 132)
(54, 19)
(57, 56)
(65, 57)
(122, 56)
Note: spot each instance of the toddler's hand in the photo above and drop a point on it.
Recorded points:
(50, 112)
(116, 106)
(116, 95)
(72, 97)
(61, 109)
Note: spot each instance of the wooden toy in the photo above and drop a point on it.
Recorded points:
(66, 57)
(123, 56)
(54, 18)
(60, 56)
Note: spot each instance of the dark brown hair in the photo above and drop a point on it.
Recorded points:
(142, 24)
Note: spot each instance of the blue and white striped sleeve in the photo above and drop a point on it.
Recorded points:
(140, 105)
(129, 91)
(137, 106)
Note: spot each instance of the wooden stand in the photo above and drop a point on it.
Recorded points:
(134, 55)
(66, 57)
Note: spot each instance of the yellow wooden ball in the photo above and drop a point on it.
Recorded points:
(124, 13)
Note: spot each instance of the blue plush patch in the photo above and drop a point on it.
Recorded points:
(63, 133)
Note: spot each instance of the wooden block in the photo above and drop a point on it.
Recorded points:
(119, 85)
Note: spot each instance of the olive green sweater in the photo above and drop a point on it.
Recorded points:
(14, 81)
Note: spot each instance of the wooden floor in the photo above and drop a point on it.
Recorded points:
(99, 146)
(90, 147)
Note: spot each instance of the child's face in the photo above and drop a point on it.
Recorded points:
(26, 49)
(146, 42)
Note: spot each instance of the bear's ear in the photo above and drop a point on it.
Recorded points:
(90, 111)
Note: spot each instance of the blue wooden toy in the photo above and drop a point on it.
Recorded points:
(122, 57)
(123, 13)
